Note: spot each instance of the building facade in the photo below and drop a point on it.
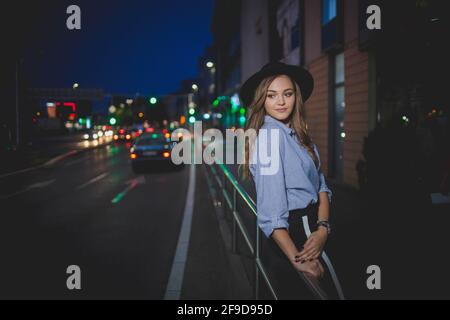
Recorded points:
(366, 79)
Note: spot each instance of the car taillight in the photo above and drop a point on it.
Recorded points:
(133, 156)
(166, 154)
(128, 137)
(116, 137)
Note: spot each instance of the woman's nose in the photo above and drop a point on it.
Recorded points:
(281, 101)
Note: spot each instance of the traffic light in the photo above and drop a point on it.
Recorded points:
(153, 100)
(112, 121)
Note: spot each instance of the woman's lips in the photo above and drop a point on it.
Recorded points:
(283, 110)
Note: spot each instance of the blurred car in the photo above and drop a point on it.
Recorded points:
(123, 135)
(136, 133)
(150, 147)
(90, 135)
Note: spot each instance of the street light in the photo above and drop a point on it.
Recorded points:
(75, 85)
(112, 109)
(209, 64)
(194, 87)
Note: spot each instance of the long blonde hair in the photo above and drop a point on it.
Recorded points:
(257, 113)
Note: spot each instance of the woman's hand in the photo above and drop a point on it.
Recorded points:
(313, 246)
(313, 268)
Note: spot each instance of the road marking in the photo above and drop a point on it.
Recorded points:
(132, 184)
(98, 178)
(48, 163)
(38, 185)
(53, 161)
(19, 171)
(75, 161)
(175, 283)
(61, 157)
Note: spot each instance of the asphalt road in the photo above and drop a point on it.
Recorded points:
(120, 228)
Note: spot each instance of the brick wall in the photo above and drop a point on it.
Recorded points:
(317, 108)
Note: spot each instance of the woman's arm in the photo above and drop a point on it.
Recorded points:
(284, 241)
(316, 242)
(324, 207)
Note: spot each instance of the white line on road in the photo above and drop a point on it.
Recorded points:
(19, 171)
(75, 161)
(37, 185)
(98, 178)
(61, 157)
(174, 286)
(48, 163)
(51, 161)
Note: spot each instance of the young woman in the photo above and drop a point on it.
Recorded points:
(297, 189)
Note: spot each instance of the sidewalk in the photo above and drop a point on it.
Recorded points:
(212, 271)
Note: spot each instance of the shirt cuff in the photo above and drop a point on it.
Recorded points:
(329, 193)
(277, 223)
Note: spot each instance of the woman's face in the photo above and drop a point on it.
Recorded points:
(280, 99)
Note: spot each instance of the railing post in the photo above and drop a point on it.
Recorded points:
(223, 193)
(233, 244)
(257, 245)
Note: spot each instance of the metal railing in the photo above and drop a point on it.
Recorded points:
(222, 176)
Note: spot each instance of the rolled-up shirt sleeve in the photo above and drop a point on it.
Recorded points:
(271, 203)
(323, 187)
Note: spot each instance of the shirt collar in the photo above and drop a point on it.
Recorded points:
(280, 124)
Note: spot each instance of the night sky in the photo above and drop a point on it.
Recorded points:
(123, 47)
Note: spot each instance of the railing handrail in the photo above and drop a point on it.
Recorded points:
(314, 288)
(244, 195)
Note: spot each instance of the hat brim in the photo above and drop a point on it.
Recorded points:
(298, 74)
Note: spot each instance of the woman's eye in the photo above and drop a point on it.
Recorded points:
(270, 96)
(289, 94)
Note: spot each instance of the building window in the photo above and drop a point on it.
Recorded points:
(329, 11)
(339, 110)
(332, 25)
(288, 24)
(295, 35)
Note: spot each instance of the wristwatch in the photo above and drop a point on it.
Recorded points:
(324, 224)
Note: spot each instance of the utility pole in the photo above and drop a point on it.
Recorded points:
(17, 105)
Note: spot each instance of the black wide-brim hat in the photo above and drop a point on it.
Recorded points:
(300, 75)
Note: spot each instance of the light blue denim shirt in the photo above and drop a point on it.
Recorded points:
(294, 185)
